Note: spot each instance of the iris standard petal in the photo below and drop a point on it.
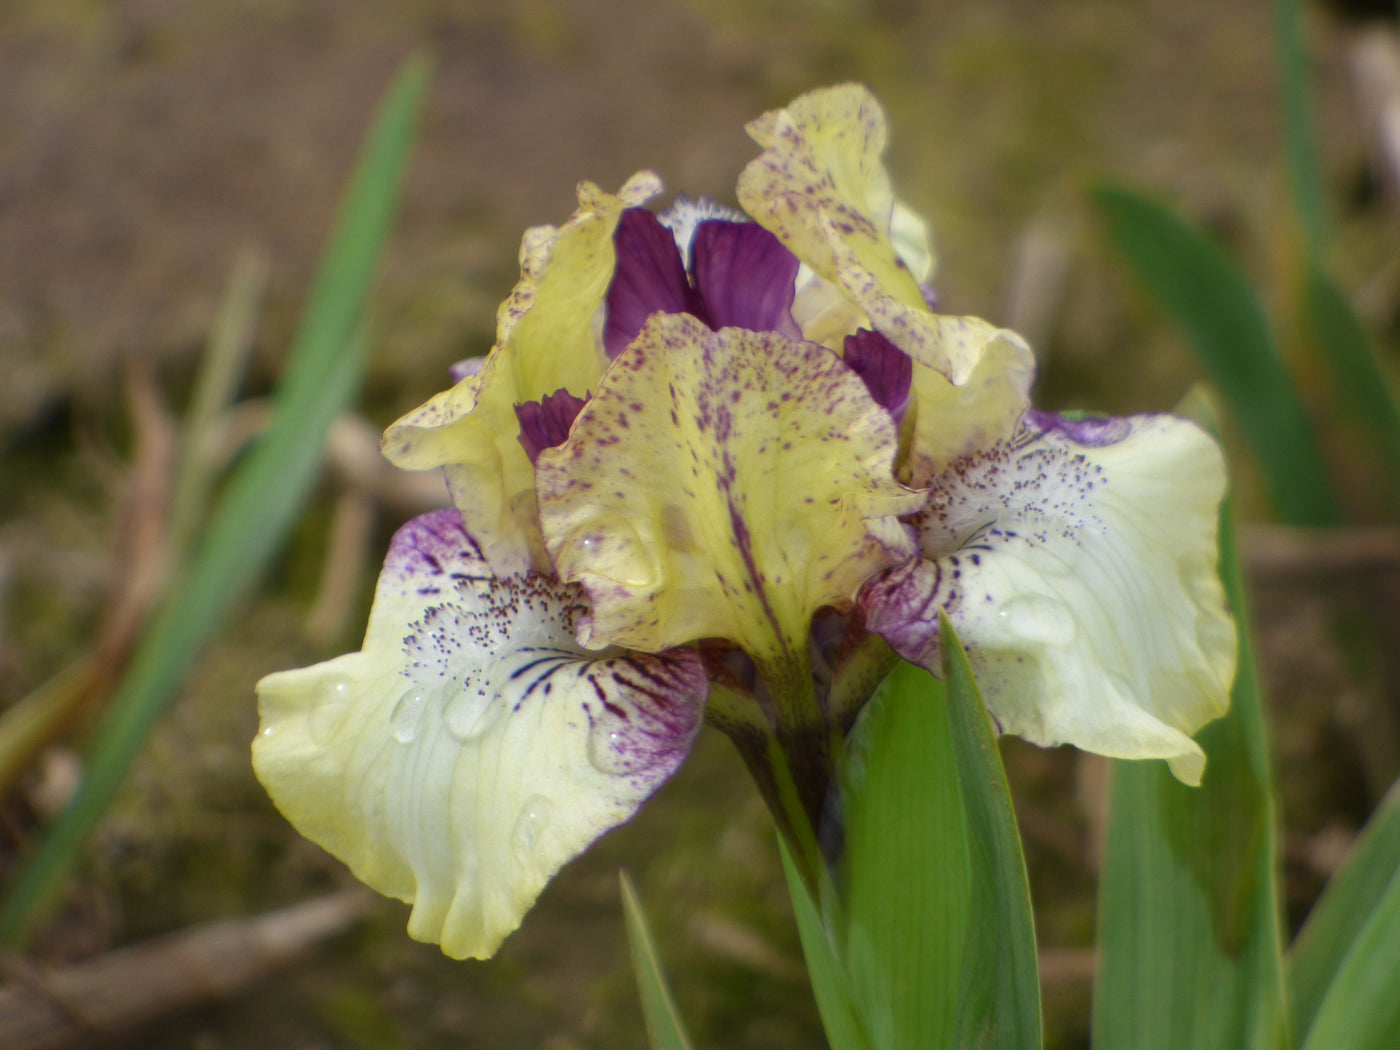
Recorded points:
(722, 484)
(821, 170)
(821, 187)
(744, 276)
(545, 341)
(1079, 566)
(650, 278)
(470, 749)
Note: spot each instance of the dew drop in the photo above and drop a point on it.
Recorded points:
(1036, 618)
(469, 713)
(534, 817)
(608, 751)
(408, 712)
(609, 546)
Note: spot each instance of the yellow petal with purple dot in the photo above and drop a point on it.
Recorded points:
(722, 485)
(546, 341)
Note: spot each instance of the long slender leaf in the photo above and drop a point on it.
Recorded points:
(1304, 177)
(1351, 897)
(830, 986)
(908, 870)
(1200, 289)
(664, 1025)
(261, 501)
(1189, 939)
(1361, 1010)
(1361, 391)
(999, 1001)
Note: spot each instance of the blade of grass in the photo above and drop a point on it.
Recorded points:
(664, 1027)
(221, 371)
(260, 503)
(1298, 136)
(1189, 939)
(830, 986)
(1361, 1010)
(1348, 902)
(908, 871)
(1204, 293)
(999, 1001)
(1361, 390)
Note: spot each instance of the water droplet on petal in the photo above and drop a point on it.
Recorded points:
(470, 713)
(609, 752)
(1036, 618)
(534, 817)
(609, 546)
(407, 713)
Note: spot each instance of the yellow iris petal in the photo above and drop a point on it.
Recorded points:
(821, 166)
(722, 485)
(545, 341)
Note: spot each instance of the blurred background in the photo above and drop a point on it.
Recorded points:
(156, 153)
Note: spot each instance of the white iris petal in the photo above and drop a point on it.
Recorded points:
(471, 748)
(1079, 568)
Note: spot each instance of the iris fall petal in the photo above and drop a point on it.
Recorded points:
(1078, 564)
(470, 749)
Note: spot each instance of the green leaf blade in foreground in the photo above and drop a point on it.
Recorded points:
(1189, 938)
(664, 1026)
(1361, 1010)
(830, 986)
(1346, 908)
(907, 875)
(1205, 293)
(260, 503)
(999, 1001)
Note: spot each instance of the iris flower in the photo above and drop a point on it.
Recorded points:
(731, 466)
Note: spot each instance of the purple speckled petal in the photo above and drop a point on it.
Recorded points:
(545, 423)
(745, 277)
(886, 369)
(1081, 577)
(1089, 431)
(471, 748)
(650, 278)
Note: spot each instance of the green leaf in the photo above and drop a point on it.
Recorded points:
(1303, 172)
(1361, 391)
(261, 501)
(1361, 1010)
(907, 887)
(999, 1000)
(1203, 292)
(1189, 939)
(664, 1026)
(830, 986)
(1347, 905)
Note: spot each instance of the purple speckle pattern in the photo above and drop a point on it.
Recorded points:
(1012, 500)
(1090, 431)
(493, 645)
(887, 371)
(545, 423)
(776, 439)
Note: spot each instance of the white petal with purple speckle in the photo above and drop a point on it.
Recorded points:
(1078, 564)
(471, 748)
